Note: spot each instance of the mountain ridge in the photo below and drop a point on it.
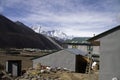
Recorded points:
(14, 35)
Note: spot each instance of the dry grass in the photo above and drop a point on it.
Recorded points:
(78, 76)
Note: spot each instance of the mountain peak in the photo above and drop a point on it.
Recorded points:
(51, 33)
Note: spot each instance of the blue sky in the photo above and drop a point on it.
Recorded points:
(74, 17)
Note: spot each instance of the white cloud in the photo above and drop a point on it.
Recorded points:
(71, 18)
(74, 17)
(76, 24)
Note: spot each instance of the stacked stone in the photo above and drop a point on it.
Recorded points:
(42, 73)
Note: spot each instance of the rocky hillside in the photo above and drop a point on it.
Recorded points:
(18, 35)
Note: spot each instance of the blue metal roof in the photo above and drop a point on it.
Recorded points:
(76, 51)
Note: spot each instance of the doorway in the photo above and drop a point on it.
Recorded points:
(81, 64)
(14, 67)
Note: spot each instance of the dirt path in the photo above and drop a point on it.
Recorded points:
(78, 76)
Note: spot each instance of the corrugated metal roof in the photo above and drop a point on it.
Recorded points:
(76, 51)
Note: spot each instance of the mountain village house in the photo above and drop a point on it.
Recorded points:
(109, 54)
(82, 44)
(14, 62)
(71, 59)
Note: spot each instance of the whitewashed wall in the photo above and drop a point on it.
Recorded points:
(59, 59)
(110, 56)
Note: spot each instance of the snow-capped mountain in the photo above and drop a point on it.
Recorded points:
(52, 33)
(55, 33)
(36, 29)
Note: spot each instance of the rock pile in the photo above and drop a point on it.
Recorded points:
(42, 73)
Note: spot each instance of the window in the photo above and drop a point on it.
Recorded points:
(74, 46)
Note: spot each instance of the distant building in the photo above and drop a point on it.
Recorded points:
(84, 45)
(72, 59)
(78, 43)
(109, 54)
